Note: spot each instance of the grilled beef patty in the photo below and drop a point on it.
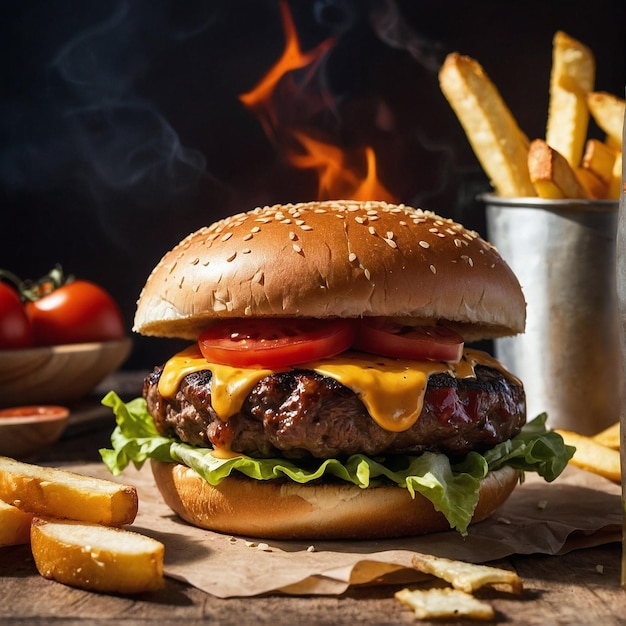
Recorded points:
(299, 414)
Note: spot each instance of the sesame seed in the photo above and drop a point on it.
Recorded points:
(255, 229)
(360, 219)
(367, 273)
(372, 230)
(292, 236)
(390, 234)
(352, 257)
(306, 227)
(297, 248)
(246, 251)
(231, 257)
(433, 269)
(248, 237)
(226, 237)
(195, 261)
(424, 244)
(286, 221)
(457, 243)
(390, 242)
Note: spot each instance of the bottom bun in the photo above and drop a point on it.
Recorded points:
(277, 509)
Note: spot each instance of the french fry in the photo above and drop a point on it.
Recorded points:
(599, 159)
(551, 174)
(99, 558)
(571, 79)
(59, 493)
(593, 186)
(615, 186)
(609, 437)
(14, 525)
(497, 140)
(593, 456)
(467, 577)
(446, 603)
(608, 112)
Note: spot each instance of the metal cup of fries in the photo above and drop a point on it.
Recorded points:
(563, 252)
(553, 216)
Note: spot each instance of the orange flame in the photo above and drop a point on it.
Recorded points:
(260, 97)
(338, 179)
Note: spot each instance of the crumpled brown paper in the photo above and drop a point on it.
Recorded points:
(579, 509)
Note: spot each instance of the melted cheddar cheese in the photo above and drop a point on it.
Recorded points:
(392, 390)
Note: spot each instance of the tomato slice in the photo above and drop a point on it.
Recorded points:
(421, 343)
(274, 343)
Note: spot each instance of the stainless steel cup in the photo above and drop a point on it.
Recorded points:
(563, 253)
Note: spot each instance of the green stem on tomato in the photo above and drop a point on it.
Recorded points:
(32, 290)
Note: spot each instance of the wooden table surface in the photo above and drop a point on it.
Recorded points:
(581, 587)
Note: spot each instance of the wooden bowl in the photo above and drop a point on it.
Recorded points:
(26, 430)
(57, 374)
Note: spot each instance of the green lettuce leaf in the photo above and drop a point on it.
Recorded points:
(451, 487)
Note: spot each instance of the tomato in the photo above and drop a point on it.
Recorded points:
(421, 343)
(15, 328)
(274, 343)
(75, 312)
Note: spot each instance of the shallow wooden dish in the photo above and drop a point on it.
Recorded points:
(57, 374)
(26, 430)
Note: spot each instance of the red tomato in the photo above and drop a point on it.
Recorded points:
(274, 343)
(76, 312)
(15, 328)
(421, 343)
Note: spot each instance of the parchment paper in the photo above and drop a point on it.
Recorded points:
(579, 509)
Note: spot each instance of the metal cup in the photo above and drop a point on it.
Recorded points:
(563, 253)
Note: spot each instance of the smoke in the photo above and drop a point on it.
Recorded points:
(82, 120)
(387, 20)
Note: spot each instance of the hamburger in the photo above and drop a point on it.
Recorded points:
(329, 389)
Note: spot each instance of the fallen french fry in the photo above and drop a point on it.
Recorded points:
(497, 140)
(593, 187)
(571, 79)
(608, 112)
(59, 493)
(593, 456)
(551, 174)
(609, 437)
(599, 159)
(446, 603)
(467, 577)
(99, 558)
(14, 525)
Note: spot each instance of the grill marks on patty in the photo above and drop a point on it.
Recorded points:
(299, 414)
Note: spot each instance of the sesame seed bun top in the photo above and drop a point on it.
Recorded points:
(332, 259)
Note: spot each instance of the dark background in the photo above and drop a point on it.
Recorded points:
(121, 129)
